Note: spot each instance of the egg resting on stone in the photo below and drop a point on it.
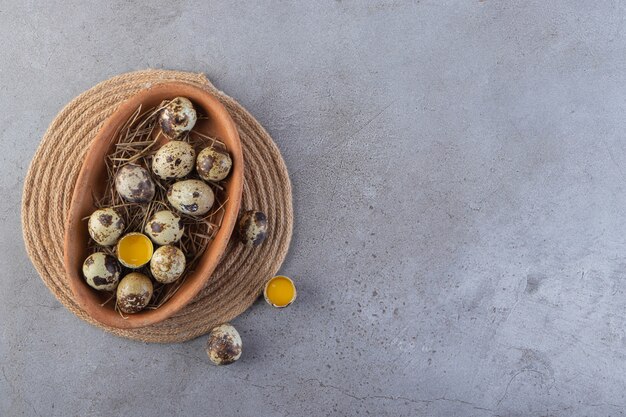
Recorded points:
(133, 183)
(101, 271)
(175, 159)
(134, 292)
(105, 226)
(177, 117)
(252, 228)
(193, 197)
(167, 264)
(224, 345)
(165, 227)
(213, 165)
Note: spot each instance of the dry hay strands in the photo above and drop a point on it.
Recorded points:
(200, 140)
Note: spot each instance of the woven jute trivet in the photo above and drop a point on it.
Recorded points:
(240, 276)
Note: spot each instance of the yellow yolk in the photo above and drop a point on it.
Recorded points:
(280, 291)
(134, 250)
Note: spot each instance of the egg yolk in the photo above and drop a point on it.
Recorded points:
(134, 250)
(280, 291)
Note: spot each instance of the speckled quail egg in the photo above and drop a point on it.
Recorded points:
(165, 227)
(177, 117)
(167, 264)
(134, 184)
(192, 197)
(105, 226)
(252, 228)
(175, 159)
(213, 164)
(101, 271)
(134, 292)
(224, 345)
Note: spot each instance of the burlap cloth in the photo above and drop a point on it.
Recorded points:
(238, 279)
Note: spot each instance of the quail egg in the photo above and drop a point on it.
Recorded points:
(224, 345)
(101, 271)
(165, 227)
(175, 159)
(134, 292)
(167, 264)
(134, 184)
(213, 164)
(192, 197)
(177, 117)
(252, 228)
(105, 226)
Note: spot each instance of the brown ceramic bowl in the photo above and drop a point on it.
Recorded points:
(91, 183)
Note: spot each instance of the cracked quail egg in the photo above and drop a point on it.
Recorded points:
(177, 117)
(192, 197)
(105, 226)
(280, 291)
(134, 250)
(101, 271)
(175, 159)
(213, 164)
(167, 264)
(224, 345)
(134, 292)
(252, 228)
(165, 227)
(134, 184)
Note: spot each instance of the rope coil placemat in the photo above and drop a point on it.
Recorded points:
(239, 277)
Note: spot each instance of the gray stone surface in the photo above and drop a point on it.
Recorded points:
(459, 183)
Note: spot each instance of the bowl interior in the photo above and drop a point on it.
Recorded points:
(91, 184)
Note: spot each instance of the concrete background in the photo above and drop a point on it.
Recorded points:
(459, 172)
